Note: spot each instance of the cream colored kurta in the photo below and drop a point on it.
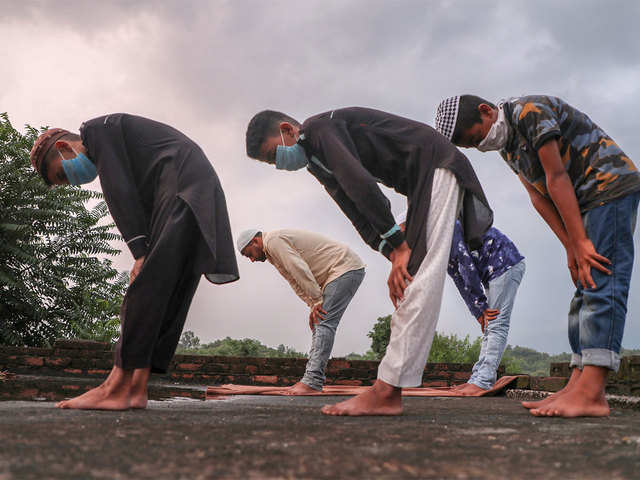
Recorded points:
(308, 260)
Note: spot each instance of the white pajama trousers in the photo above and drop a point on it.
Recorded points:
(414, 322)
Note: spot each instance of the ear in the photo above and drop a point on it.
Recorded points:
(63, 146)
(485, 109)
(287, 129)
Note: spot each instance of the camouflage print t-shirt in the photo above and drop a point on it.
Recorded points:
(599, 170)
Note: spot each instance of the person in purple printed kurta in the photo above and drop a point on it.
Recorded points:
(488, 280)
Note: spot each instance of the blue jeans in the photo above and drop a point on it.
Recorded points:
(335, 299)
(597, 316)
(501, 294)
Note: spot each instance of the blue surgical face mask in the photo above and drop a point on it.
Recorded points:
(79, 169)
(290, 158)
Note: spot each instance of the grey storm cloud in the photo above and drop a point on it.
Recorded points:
(206, 67)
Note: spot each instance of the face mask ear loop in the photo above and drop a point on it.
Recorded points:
(74, 151)
(282, 137)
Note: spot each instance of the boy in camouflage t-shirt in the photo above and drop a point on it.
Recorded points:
(587, 190)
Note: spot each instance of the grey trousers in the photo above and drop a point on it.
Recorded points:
(336, 297)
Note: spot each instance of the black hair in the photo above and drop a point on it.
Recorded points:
(468, 115)
(53, 153)
(262, 126)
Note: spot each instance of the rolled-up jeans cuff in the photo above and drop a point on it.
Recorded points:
(312, 384)
(479, 383)
(601, 357)
(576, 361)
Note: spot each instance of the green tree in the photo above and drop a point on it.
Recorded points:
(231, 347)
(444, 349)
(54, 279)
(189, 341)
(379, 335)
(451, 349)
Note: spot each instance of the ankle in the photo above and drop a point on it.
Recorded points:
(386, 390)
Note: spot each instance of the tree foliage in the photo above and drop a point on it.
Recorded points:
(230, 347)
(54, 279)
(444, 349)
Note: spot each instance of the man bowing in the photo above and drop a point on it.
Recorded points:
(167, 202)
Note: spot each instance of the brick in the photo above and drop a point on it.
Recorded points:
(634, 359)
(76, 344)
(548, 384)
(339, 364)
(74, 371)
(251, 369)
(215, 368)
(190, 367)
(98, 372)
(523, 382)
(461, 375)
(57, 361)
(270, 379)
(435, 383)
(70, 387)
(80, 362)
(34, 361)
(559, 369)
(353, 383)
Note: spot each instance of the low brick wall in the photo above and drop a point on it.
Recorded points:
(95, 359)
(626, 381)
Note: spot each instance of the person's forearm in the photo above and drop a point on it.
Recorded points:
(549, 213)
(566, 204)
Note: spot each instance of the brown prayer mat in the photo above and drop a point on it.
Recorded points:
(338, 390)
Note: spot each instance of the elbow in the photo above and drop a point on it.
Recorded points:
(556, 181)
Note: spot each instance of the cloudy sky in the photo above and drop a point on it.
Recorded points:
(206, 67)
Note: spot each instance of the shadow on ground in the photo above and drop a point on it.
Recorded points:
(278, 437)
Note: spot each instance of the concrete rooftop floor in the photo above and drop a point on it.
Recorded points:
(281, 437)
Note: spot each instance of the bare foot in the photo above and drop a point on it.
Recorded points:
(138, 394)
(471, 390)
(380, 399)
(459, 387)
(113, 394)
(585, 399)
(301, 389)
(574, 404)
(575, 375)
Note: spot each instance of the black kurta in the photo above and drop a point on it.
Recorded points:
(354, 148)
(167, 202)
(131, 154)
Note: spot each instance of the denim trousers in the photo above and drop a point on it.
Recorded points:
(501, 295)
(597, 315)
(335, 299)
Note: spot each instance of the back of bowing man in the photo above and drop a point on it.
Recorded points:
(349, 151)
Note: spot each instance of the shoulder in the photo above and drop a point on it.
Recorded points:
(98, 123)
(274, 238)
(533, 106)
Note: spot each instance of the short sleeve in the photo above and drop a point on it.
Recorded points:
(537, 121)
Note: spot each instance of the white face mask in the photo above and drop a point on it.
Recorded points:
(498, 134)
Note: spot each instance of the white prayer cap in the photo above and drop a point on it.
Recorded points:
(245, 238)
(447, 115)
(402, 218)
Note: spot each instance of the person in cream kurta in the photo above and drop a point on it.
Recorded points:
(325, 274)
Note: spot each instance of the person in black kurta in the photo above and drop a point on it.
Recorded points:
(349, 151)
(167, 202)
